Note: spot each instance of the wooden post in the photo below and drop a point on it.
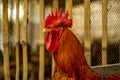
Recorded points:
(17, 40)
(5, 41)
(119, 51)
(42, 42)
(69, 7)
(24, 41)
(104, 32)
(87, 31)
(55, 7)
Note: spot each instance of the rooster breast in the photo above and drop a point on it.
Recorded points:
(68, 52)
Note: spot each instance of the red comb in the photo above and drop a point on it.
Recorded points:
(57, 19)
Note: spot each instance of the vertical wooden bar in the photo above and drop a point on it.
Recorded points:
(87, 31)
(5, 41)
(69, 7)
(42, 42)
(119, 51)
(104, 32)
(17, 40)
(55, 7)
(24, 41)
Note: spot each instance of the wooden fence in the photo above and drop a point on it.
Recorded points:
(68, 7)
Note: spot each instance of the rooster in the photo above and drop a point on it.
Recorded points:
(67, 50)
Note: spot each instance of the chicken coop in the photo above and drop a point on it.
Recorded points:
(23, 54)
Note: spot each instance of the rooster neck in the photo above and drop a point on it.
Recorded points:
(69, 57)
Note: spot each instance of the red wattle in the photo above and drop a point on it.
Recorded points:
(52, 39)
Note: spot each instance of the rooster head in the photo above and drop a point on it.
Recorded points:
(54, 26)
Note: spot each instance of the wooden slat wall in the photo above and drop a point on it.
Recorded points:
(104, 32)
(17, 40)
(24, 41)
(119, 52)
(42, 41)
(69, 7)
(55, 7)
(5, 41)
(87, 31)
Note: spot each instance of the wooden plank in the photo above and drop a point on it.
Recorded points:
(55, 7)
(119, 52)
(17, 63)
(17, 40)
(24, 41)
(5, 41)
(42, 42)
(69, 7)
(104, 32)
(41, 63)
(25, 62)
(87, 31)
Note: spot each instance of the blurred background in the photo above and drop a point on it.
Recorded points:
(33, 34)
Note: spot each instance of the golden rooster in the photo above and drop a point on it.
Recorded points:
(67, 50)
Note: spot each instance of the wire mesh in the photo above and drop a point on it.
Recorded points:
(96, 32)
(113, 31)
(78, 21)
(1, 28)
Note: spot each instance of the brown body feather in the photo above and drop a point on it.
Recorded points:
(70, 59)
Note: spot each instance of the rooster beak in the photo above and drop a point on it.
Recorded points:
(46, 30)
